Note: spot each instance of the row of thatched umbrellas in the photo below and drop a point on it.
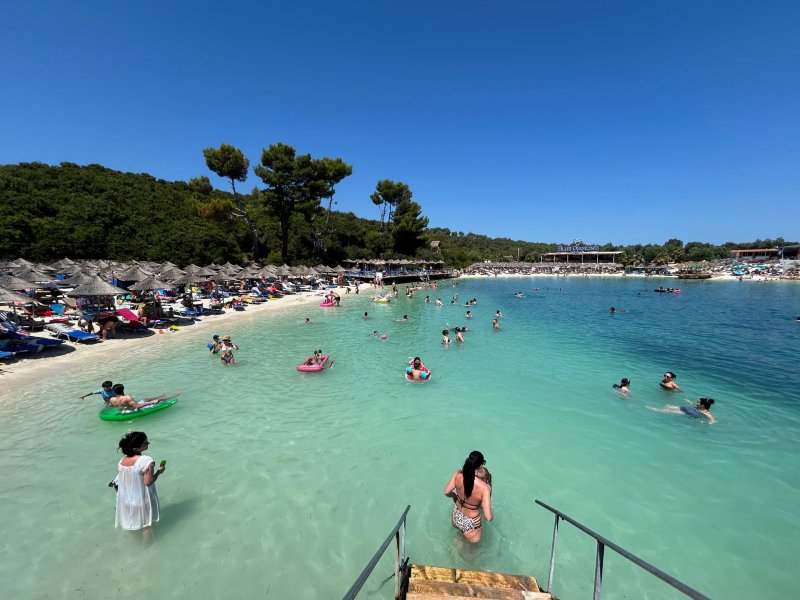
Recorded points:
(93, 278)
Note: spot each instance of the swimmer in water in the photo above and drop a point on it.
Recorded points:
(612, 310)
(623, 386)
(366, 315)
(459, 335)
(469, 314)
(414, 369)
(495, 324)
(700, 409)
(668, 383)
(497, 313)
(445, 337)
(403, 320)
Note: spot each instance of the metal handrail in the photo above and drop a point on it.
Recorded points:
(399, 533)
(601, 544)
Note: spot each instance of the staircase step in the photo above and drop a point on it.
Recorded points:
(436, 590)
(486, 579)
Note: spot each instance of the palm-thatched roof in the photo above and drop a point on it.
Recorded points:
(150, 283)
(96, 286)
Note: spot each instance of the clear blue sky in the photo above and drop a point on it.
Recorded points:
(613, 121)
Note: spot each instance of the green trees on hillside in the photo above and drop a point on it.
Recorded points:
(229, 162)
(49, 212)
(296, 184)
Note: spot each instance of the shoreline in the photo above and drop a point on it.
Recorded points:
(620, 276)
(25, 371)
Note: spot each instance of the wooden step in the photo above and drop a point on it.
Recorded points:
(429, 582)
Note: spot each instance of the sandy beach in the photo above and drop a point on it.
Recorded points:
(24, 371)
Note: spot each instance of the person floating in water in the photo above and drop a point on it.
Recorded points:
(623, 386)
(497, 313)
(469, 314)
(612, 310)
(459, 335)
(123, 400)
(403, 320)
(668, 383)
(495, 324)
(700, 409)
(416, 369)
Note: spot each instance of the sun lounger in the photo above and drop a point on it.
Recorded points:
(5, 354)
(19, 337)
(73, 335)
(9, 345)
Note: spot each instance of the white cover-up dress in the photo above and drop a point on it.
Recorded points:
(137, 504)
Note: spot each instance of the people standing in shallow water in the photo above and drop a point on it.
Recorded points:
(668, 383)
(471, 495)
(702, 408)
(137, 500)
(445, 337)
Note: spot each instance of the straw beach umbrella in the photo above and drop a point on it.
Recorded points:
(96, 287)
(15, 283)
(150, 284)
(170, 273)
(133, 273)
(11, 297)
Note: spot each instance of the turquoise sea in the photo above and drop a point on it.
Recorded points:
(283, 485)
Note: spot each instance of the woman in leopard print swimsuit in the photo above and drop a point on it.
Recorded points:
(471, 495)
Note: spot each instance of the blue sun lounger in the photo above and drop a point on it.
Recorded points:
(4, 354)
(73, 335)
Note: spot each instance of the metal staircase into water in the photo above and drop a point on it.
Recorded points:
(425, 582)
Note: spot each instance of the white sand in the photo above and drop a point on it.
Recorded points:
(49, 363)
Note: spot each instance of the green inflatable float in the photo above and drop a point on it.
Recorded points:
(126, 414)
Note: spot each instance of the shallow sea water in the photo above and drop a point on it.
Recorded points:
(283, 485)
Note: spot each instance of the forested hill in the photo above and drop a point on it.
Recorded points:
(50, 212)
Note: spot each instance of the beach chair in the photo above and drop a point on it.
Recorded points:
(20, 337)
(73, 335)
(133, 322)
(9, 345)
(5, 354)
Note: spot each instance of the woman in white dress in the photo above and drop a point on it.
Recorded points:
(137, 501)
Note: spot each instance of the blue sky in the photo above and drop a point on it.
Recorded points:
(610, 121)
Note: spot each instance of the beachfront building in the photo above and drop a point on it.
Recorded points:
(581, 256)
(754, 254)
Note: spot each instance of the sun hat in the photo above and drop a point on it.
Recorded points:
(227, 338)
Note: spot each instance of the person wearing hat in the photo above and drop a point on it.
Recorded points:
(106, 391)
(227, 347)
